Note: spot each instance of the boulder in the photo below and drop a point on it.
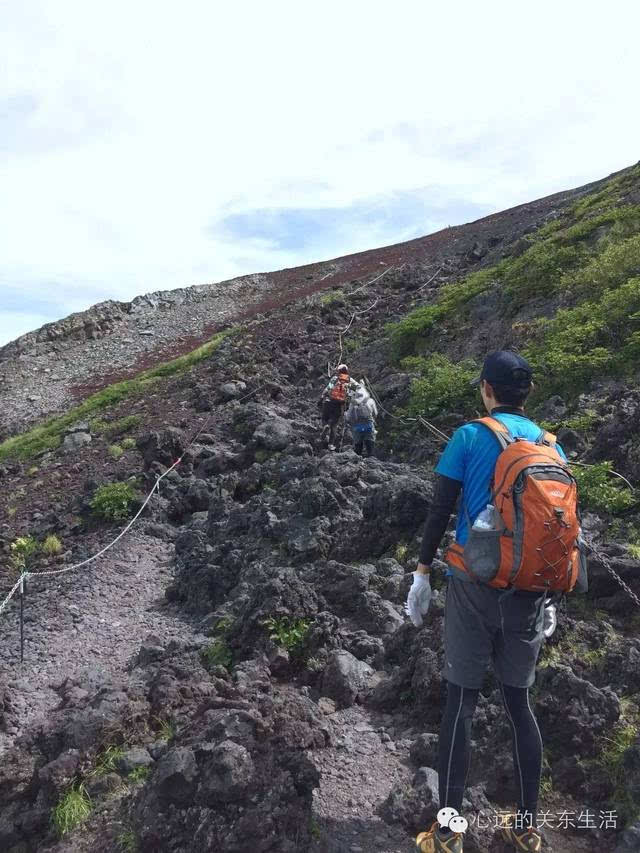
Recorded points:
(133, 758)
(344, 678)
(273, 434)
(226, 772)
(163, 447)
(176, 776)
(74, 441)
(231, 391)
(424, 750)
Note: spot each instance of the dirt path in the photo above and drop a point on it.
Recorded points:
(90, 621)
(370, 756)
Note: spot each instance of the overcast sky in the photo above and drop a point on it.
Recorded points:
(153, 145)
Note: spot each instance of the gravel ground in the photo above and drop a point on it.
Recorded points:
(89, 621)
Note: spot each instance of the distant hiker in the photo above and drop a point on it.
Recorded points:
(361, 417)
(498, 584)
(333, 401)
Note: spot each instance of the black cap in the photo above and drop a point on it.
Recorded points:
(505, 367)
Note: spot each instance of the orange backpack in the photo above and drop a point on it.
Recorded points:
(533, 543)
(339, 390)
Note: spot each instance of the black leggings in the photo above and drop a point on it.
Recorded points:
(455, 751)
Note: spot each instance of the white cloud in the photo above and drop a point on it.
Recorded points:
(127, 129)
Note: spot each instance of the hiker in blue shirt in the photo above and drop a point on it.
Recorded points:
(477, 630)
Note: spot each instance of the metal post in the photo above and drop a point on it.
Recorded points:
(22, 591)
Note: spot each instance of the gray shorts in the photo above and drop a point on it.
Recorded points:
(483, 625)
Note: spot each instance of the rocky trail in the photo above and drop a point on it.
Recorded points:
(244, 653)
(85, 627)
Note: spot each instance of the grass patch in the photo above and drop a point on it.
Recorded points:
(115, 451)
(113, 501)
(107, 760)
(286, 633)
(166, 729)
(400, 553)
(598, 491)
(127, 841)
(116, 428)
(72, 810)
(51, 546)
(139, 775)
(217, 653)
(47, 436)
(128, 444)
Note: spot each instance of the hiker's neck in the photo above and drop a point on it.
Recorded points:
(507, 409)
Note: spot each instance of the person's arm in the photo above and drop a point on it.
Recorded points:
(443, 504)
(330, 385)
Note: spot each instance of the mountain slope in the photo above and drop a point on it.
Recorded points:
(294, 565)
(45, 370)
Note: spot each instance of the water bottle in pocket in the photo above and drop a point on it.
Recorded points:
(482, 550)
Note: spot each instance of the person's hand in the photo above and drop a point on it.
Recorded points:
(419, 598)
(550, 620)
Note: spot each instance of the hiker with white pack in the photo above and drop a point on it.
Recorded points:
(517, 547)
(361, 417)
(333, 401)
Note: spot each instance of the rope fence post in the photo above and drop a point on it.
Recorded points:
(22, 595)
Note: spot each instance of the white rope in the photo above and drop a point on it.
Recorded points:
(427, 283)
(25, 575)
(14, 589)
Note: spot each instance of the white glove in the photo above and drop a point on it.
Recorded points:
(550, 620)
(418, 599)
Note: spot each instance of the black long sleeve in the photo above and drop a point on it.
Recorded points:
(444, 500)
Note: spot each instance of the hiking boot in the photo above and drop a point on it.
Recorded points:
(434, 841)
(522, 840)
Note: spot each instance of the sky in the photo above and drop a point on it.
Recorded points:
(152, 145)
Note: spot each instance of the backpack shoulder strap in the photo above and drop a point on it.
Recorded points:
(547, 438)
(500, 431)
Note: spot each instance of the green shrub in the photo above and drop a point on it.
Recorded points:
(115, 451)
(128, 444)
(127, 841)
(584, 422)
(217, 653)
(599, 491)
(617, 263)
(139, 774)
(23, 551)
(288, 634)
(113, 501)
(331, 296)
(51, 546)
(442, 385)
(72, 810)
(599, 337)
